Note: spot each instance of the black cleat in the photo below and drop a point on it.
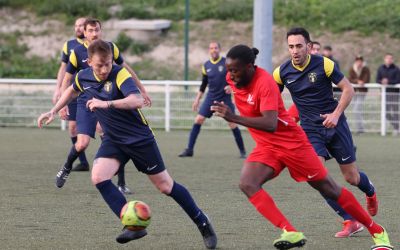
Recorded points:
(62, 176)
(242, 155)
(81, 167)
(187, 153)
(124, 189)
(128, 235)
(209, 236)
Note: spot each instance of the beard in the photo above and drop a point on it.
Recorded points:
(80, 36)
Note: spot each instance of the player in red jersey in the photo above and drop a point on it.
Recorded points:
(280, 143)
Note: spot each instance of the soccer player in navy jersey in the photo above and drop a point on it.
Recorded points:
(66, 51)
(214, 73)
(116, 101)
(86, 121)
(309, 80)
(280, 143)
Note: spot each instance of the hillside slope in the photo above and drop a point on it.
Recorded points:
(40, 40)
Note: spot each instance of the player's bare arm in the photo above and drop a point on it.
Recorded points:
(60, 77)
(132, 101)
(65, 98)
(147, 100)
(267, 122)
(196, 102)
(331, 120)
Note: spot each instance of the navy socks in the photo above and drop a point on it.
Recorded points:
(112, 196)
(365, 185)
(238, 139)
(82, 155)
(193, 135)
(182, 196)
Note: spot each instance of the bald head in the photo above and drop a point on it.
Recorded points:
(79, 27)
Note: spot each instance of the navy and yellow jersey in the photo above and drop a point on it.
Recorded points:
(119, 125)
(68, 48)
(310, 87)
(79, 57)
(214, 73)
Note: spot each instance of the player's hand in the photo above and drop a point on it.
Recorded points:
(228, 90)
(45, 118)
(222, 110)
(147, 100)
(56, 96)
(64, 113)
(195, 105)
(94, 103)
(330, 120)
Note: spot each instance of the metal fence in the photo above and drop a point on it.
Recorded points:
(22, 100)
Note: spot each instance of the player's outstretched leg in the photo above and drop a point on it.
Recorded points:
(350, 225)
(182, 196)
(330, 189)
(83, 165)
(63, 173)
(122, 187)
(239, 142)
(164, 182)
(188, 152)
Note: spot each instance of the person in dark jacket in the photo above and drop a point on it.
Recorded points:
(388, 75)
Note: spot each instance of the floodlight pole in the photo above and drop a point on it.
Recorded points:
(186, 41)
(262, 32)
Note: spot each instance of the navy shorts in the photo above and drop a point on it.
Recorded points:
(205, 108)
(72, 110)
(333, 142)
(86, 120)
(146, 158)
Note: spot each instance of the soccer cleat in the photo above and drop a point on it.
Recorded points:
(81, 167)
(372, 205)
(290, 240)
(128, 235)
(62, 176)
(350, 227)
(381, 241)
(124, 189)
(209, 236)
(186, 153)
(242, 155)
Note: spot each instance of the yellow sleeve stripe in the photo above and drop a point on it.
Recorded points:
(328, 66)
(73, 60)
(277, 75)
(65, 49)
(203, 70)
(144, 120)
(116, 51)
(122, 75)
(77, 83)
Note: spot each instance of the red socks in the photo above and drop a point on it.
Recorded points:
(350, 204)
(265, 205)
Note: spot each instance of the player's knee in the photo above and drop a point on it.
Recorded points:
(164, 187)
(199, 120)
(248, 188)
(81, 145)
(96, 178)
(352, 179)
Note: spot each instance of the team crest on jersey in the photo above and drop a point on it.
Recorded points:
(312, 77)
(108, 86)
(220, 68)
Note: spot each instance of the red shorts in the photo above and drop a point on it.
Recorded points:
(302, 162)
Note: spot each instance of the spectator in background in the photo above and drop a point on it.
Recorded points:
(315, 48)
(359, 74)
(388, 75)
(327, 52)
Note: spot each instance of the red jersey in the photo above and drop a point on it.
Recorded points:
(262, 94)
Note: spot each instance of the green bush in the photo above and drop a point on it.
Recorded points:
(125, 43)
